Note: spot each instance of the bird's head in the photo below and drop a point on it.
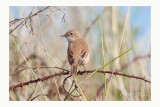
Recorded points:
(72, 35)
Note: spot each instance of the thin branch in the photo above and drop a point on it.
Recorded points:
(124, 67)
(24, 19)
(37, 80)
(79, 73)
(115, 73)
(37, 68)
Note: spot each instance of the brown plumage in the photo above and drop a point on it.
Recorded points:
(78, 52)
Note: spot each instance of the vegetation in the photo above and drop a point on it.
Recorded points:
(119, 66)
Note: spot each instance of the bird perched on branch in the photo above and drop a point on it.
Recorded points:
(78, 52)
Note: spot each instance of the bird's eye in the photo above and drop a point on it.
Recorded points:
(71, 34)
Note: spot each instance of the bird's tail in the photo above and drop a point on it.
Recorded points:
(73, 71)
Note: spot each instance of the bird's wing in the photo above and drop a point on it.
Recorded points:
(83, 53)
(70, 54)
(77, 52)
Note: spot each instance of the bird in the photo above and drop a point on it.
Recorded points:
(78, 51)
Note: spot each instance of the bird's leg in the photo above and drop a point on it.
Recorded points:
(84, 68)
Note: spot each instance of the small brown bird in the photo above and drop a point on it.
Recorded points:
(78, 52)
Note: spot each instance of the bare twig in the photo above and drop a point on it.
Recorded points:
(124, 67)
(117, 72)
(24, 19)
(79, 73)
(37, 68)
(37, 80)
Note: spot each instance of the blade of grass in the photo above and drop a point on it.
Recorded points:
(75, 78)
(28, 65)
(58, 65)
(101, 68)
(44, 46)
(80, 88)
(16, 98)
(124, 29)
(69, 94)
(84, 93)
(52, 59)
(102, 34)
(114, 59)
(48, 55)
(75, 95)
(149, 97)
(22, 73)
(30, 86)
(109, 62)
(102, 45)
(103, 60)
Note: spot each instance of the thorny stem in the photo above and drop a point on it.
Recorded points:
(79, 73)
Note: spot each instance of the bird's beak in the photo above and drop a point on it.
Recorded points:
(62, 35)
